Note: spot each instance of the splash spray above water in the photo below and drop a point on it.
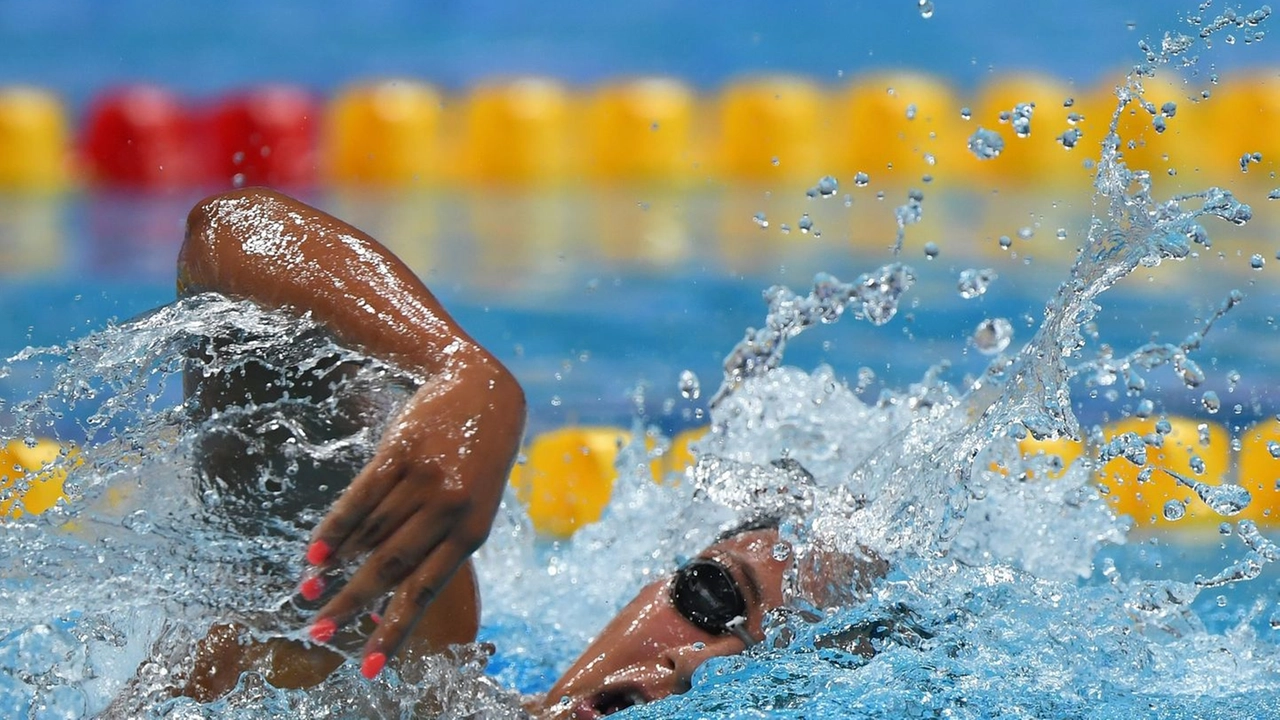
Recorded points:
(914, 496)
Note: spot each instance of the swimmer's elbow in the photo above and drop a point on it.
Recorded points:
(213, 250)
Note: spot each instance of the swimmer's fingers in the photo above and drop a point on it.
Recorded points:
(398, 504)
(353, 507)
(384, 569)
(409, 603)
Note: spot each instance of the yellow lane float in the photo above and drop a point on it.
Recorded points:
(771, 129)
(31, 476)
(384, 134)
(518, 132)
(567, 476)
(34, 140)
(898, 129)
(641, 131)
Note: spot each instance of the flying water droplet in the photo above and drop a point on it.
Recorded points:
(1145, 408)
(826, 187)
(1257, 261)
(690, 387)
(926, 8)
(985, 144)
(931, 250)
(805, 223)
(1174, 510)
(1226, 499)
(1129, 446)
(993, 335)
(1248, 158)
(1210, 402)
(1020, 118)
(760, 219)
(861, 179)
(1070, 138)
(1197, 464)
(973, 282)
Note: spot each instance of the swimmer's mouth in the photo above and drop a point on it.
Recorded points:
(609, 702)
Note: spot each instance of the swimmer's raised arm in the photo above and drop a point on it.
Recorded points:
(427, 499)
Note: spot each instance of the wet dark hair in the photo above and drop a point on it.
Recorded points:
(761, 521)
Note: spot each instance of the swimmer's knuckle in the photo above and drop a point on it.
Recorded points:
(454, 500)
(393, 568)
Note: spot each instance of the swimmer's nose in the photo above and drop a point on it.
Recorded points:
(685, 659)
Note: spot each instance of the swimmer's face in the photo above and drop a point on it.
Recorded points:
(652, 647)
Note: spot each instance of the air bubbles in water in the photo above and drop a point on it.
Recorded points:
(760, 219)
(1070, 138)
(690, 387)
(805, 223)
(931, 250)
(993, 335)
(861, 179)
(139, 521)
(973, 282)
(926, 8)
(1257, 261)
(985, 144)
(1174, 510)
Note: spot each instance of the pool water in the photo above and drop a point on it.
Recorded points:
(1011, 594)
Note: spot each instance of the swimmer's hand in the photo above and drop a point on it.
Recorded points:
(425, 502)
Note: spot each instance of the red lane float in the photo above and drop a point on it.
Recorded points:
(265, 136)
(143, 137)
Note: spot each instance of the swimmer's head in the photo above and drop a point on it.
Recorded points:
(714, 605)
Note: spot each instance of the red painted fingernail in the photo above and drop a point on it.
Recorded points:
(318, 552)
(373, 664)
(311, 588)
(376, 618)
(323, 629)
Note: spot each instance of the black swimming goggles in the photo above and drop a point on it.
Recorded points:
(705, 593)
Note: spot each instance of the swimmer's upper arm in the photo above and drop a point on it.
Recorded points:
(260, 245)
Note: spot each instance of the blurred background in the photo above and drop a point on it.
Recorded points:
(78, 48)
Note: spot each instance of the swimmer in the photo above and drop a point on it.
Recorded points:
(427, 499)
